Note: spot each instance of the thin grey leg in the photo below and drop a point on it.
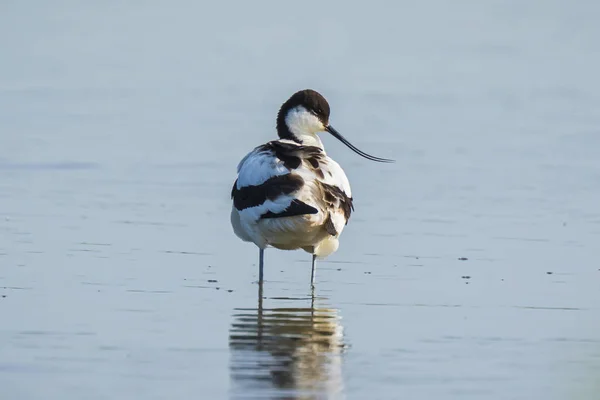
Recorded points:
(260, 298)
(259, 330)
(312, 274)
(261, 264)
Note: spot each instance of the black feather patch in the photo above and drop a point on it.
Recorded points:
(288, 153)
(314, 162)
(329, 227)
(272, 188)
(296, 207)
(292, 154)
(337, 198)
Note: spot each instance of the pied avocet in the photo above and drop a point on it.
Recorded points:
(289, 194)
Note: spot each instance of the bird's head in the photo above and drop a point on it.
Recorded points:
(306, 114)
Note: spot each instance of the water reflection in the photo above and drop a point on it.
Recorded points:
(295, 352)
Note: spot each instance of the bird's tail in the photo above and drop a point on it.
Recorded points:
(327, 246)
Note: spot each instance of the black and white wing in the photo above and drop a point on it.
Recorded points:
(336, 196)
(269, 179)
(285, 179)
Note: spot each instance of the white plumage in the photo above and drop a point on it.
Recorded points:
(289, 194)
(292, 232)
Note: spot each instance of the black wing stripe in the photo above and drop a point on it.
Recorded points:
(272, 188)
(296, 207)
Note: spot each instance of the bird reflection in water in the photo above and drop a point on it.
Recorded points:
(294, 351)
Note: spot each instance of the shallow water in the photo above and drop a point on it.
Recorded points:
(469, 269)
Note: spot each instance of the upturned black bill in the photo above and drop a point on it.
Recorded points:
(342, 139)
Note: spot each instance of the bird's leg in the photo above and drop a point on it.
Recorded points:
(312, 274)
(261, 264)
(259, 330)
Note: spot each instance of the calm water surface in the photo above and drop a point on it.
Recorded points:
(470, 268)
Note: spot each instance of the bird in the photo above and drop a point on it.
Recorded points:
(289, 194)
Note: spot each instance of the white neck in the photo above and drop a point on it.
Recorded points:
(311, 140)
(304, 125)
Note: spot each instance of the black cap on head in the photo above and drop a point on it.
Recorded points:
(310, 99)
